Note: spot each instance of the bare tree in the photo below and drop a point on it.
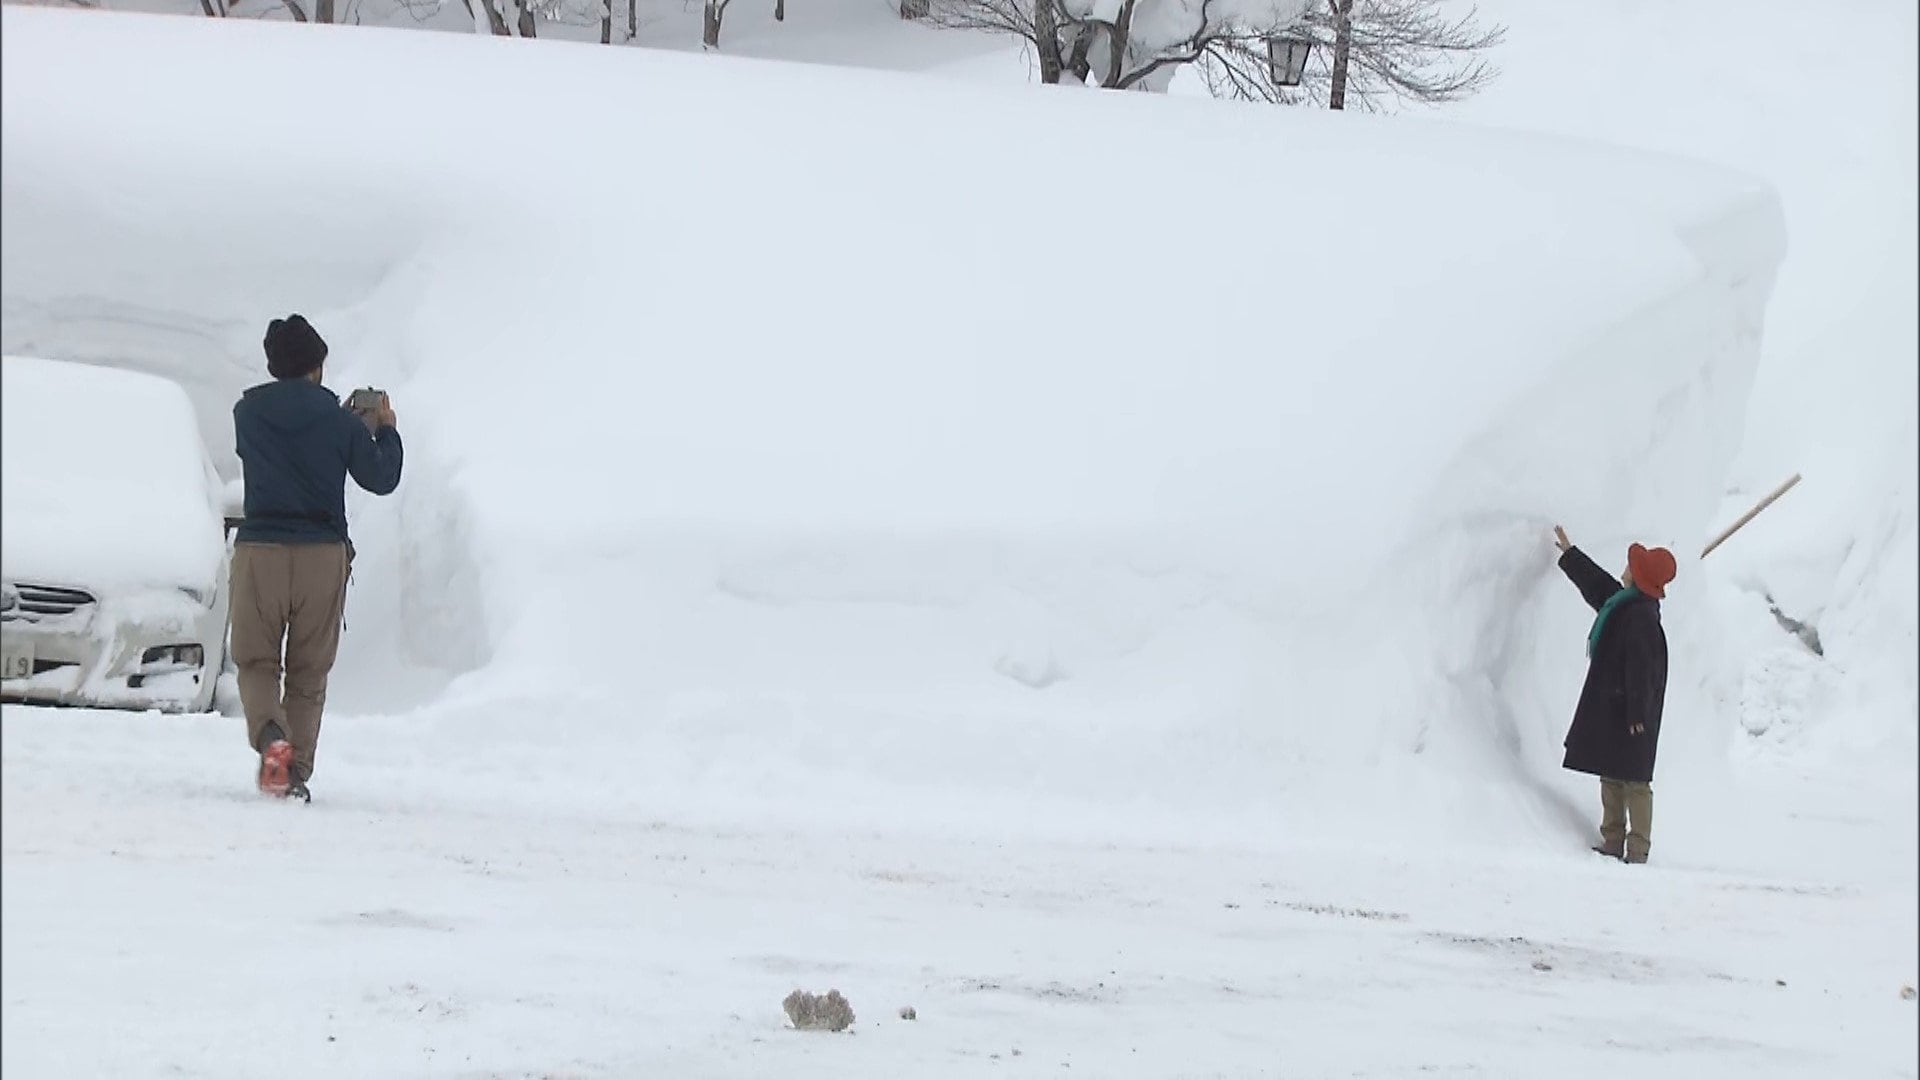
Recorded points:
(711, 13)
(588, 13)
(1371, 51)
(1374, 52)
(422, 10)
(1342, 52)
(496, 23)
(714, 12)
(1103, 44)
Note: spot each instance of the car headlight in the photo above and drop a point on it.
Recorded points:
(9, 598)
(199, 596)
(173, 656)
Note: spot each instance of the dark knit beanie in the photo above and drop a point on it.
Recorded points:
(294, 348)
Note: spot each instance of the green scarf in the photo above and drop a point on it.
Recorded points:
(1606, 609)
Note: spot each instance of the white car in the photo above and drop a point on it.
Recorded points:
(113, 549)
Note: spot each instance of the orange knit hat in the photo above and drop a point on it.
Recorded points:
(1652, 569)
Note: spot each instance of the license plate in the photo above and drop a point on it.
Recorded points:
(16, 661)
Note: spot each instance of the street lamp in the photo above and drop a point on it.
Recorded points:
(1287, 58)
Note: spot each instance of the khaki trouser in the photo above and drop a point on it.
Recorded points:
(1626, 818)
(288, 603)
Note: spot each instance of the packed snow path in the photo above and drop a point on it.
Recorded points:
(161, 920)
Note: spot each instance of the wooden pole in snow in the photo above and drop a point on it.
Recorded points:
(1751, 514)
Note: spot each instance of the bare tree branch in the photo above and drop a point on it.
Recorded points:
(1080, 60)
(1400, 50)
(711, 15)
(1046, 39)
(496, 22)
(1119, 39)
(1192, 49)
(1421, 51)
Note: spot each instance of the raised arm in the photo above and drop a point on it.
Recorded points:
(374, 460)
(1596, 585)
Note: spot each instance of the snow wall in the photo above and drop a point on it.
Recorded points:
(1835, 396)
(878, 449)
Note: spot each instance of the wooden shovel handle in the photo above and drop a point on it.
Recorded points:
(1751, 514)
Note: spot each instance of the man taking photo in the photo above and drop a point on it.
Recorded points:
(292, 555)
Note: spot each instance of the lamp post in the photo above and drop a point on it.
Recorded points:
(1287, 58)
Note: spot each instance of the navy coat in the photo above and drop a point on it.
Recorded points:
(297, 447)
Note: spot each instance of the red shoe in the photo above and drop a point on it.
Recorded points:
(276, 768)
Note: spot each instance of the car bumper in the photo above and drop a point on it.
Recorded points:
(96, 660)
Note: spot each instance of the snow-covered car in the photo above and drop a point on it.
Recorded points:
(113, 550)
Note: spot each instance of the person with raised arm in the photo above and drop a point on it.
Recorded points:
(1615, 733)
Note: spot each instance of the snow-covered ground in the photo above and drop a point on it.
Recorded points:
(452, 921)
(848, 542)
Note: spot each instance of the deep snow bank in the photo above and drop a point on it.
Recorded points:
(1834, 398)
(818, 431)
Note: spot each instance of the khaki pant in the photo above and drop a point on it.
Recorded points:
(1626, 818)
(288, 603)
